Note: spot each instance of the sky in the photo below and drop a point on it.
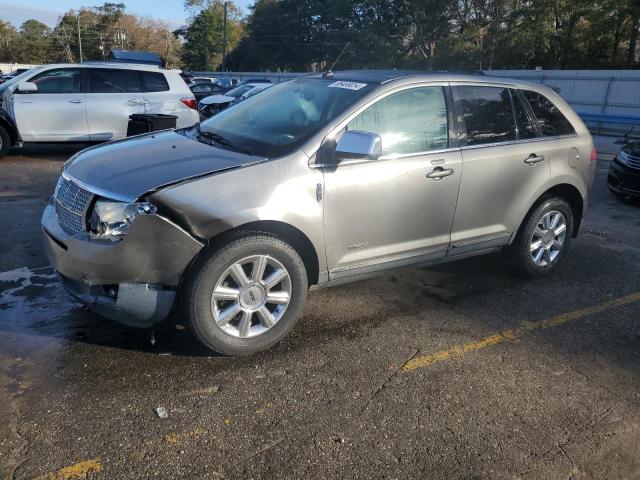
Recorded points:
(46, 11)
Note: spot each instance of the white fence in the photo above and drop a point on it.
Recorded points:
(607, 92)
(10, 67)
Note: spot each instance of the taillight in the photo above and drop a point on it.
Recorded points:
(593, 155)
(190, 102)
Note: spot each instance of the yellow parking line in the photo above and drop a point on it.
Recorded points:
(75, 472)
(179, 438)
(522, 329)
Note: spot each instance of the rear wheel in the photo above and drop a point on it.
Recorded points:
(543, 238)
(246, 296)
(5, 141)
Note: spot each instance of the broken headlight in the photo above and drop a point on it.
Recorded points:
(110, 220)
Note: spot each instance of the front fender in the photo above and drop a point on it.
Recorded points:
(283, 191)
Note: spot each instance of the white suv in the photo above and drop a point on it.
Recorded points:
(88, 102)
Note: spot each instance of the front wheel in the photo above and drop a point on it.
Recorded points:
(543, 238)
(247, 295)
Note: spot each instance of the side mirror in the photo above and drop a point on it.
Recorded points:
(356, 144)
(27, 87)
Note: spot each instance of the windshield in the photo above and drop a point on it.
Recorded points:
(284, 116)
(17, 79)
(236, 92)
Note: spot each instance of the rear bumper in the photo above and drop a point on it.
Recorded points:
(132, 281)
(623, 179)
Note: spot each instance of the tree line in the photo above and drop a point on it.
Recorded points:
(309, 35)
(440, 34)
(98, 29)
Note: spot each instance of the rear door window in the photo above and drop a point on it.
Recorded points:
(485, 113)
(153, 82)
(102, 80)
(550, 119)
(410, 121)
(59, 80)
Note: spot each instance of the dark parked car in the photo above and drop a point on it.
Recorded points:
(256, 80)
(624, 171)
(203, 90)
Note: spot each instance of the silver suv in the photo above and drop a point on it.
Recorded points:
(318, 181)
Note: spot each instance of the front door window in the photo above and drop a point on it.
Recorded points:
(408, 122)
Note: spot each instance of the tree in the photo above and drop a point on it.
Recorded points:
(204, 37)
(8, 41)
(109, 26)
(34, 42)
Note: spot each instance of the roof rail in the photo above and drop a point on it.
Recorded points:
(111, 64)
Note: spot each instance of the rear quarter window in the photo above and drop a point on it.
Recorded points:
(550, 119)
(153, 82)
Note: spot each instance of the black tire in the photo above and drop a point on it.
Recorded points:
(520, 249)
(199, 285)
(5, 142)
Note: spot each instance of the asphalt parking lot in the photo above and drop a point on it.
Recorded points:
(459, 371)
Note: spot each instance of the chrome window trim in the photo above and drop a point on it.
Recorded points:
(518, 142)
(96, 191)
(403, 156)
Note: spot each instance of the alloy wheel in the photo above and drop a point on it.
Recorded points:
(548, 238)
(251, 296)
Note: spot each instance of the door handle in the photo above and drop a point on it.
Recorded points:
(439, 173)
(77, 100)
(533, 159)
(133, 101)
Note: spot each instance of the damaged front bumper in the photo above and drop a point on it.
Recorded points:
(133, 281)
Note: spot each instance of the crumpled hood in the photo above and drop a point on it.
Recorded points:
(127, 169)
(215, 99)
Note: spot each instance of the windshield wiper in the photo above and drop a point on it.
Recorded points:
(225, 142)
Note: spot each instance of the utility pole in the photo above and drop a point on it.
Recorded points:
(101, 47)
(224, 42)
(79, 37)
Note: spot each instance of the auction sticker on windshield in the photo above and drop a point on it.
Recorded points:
(348, 85)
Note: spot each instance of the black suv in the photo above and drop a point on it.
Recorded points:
(624, 171)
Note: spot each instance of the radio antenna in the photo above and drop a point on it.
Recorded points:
(329, 72)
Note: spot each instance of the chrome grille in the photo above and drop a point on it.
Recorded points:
(71, 205)
(634, 162)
